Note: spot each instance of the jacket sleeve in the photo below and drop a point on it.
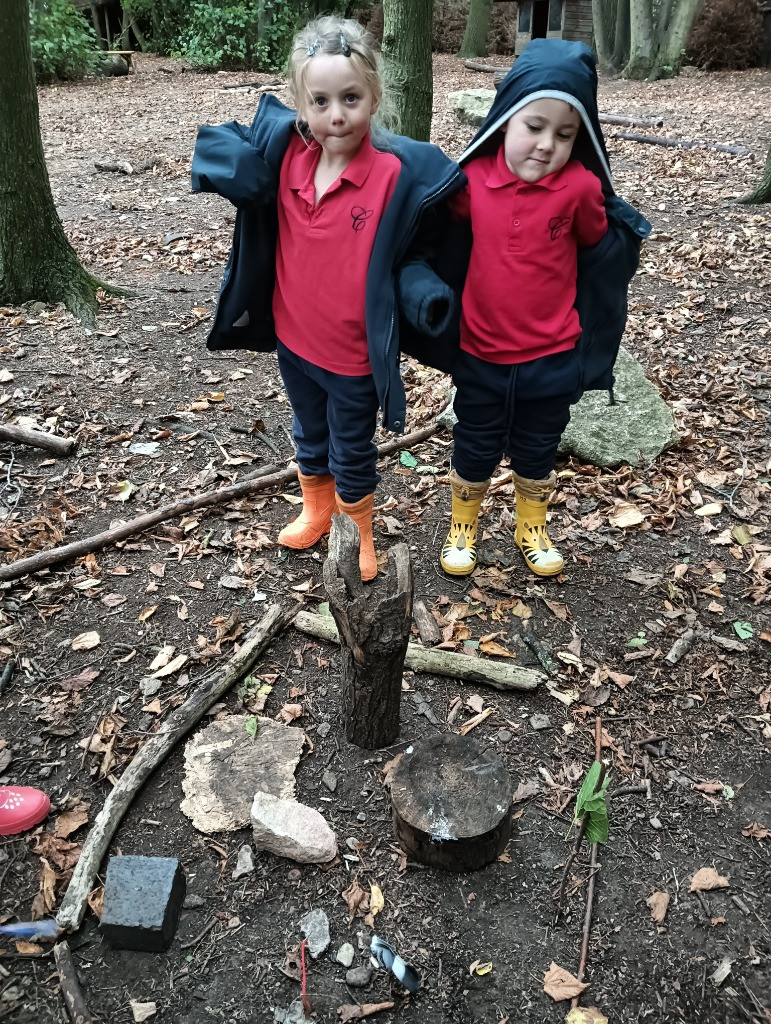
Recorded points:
(225, 162)
(424, 299)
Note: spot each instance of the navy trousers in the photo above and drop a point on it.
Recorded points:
(519, 410)
(334, 422)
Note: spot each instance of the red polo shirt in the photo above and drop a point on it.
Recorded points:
(521, 283)
(323, 252)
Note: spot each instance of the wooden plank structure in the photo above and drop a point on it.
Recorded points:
(554, 19)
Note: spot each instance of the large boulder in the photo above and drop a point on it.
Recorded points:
(633, 432)
(471, 105)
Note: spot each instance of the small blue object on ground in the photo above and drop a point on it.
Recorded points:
(143, 898)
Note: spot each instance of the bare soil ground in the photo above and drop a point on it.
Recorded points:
(681, 544)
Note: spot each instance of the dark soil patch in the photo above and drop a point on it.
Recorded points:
(699, 321)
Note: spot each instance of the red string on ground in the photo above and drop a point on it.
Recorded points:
(304, 983)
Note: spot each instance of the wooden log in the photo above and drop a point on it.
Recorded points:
(645, 122)
(478, 65)
(660, 140)
(499, 675)
(66, 552)
(72, 994)
(451, 803)
(178, 724)
(375, 629)
(427, 628)
(59, 446)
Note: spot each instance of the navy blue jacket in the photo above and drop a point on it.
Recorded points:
(558, 69)
(408, 306)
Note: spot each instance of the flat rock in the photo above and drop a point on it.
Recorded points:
(539, 722)
(225, 767)
(359, 977)
(315, 928)
(244, 862)
(345, 954)
(633, 432)
(471, 105)
(291, 829)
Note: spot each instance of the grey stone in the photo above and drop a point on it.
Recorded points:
(193, 901)
(539, 722)
(471, 105)
(358, 977)
(315, 928)
(632, 433)
(244, 862)
(143, 897)
(330, 781)
(323, 729)
(345, 954)
(505, 736)
(290, 829)
(293, 1014)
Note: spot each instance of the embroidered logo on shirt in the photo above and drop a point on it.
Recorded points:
(556, 224)
(360, 217)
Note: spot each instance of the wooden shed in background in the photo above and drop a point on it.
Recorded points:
(554, 19)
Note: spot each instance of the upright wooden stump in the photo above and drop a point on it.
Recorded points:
(451, 803)
(374, 631)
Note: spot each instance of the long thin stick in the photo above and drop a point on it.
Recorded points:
(71, 991)
(179, 722)
(65, 553)
(584, 820)
(592, 876)
(499, 675)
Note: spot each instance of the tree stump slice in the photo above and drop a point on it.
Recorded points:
(374, 631)
(451, 803)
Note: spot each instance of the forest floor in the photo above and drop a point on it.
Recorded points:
(652, 552)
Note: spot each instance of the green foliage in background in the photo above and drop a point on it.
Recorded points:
(63, 43)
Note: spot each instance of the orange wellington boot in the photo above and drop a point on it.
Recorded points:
(361, 513)
(316, 517)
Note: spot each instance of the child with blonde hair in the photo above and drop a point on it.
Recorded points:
(331, 264)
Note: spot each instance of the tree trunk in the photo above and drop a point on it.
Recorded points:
(640, 61)
(603, 19)
(477, 26)
(621, 40)
(674, 38)
(407, 53)
(36, 260)
(761, 194)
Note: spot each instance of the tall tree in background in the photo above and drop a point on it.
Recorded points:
(643, 39)
(407, 52)
(477, 26)
(36, 260)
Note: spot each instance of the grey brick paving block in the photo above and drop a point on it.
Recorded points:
(143, 898)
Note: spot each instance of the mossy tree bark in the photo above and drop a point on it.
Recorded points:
(762, 193)
(477, 26)
(36, 259)
(407, 52)
(648, 39)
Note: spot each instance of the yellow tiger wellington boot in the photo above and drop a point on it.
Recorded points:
(316, 517)
(361, 513)
(459, 553)
(530, 535)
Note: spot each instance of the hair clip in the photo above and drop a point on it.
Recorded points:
(311, 51)
(344, 46)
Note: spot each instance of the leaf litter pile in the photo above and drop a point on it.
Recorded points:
(660, 625)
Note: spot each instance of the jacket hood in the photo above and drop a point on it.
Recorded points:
(550, 69)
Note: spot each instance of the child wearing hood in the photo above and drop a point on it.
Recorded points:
(539, 191)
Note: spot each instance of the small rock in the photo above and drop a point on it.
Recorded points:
(655, 822)
(330, 781)
(292, 1015)
(361, 817)
(359, 977)
(294, 875)
(539, 722)
(193, 901)
(323, 729)
(352, 844)
(244, 862)
(315, 928)
(150, 687)
(291, 829)
(345, 954)
(505, 736)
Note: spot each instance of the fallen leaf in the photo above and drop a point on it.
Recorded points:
(524, 791)
(173, 666)
(624, 515)
(715, 921)
(585, 1015)
(350, 1011)
(560, 984)
(357, 900)
(147, 612)
(28, 948)
(71, 821)
(376, 901)
(756, 831)
(706, 879)
(85, 641)
(491, 647)
(714, 508)
(709, 787)
(659, 904)
(142, 1011)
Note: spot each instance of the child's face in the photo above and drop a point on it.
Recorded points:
(338, 106)
(538, 139)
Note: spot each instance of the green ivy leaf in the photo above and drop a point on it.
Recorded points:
(408, 459)
(743, 630)
(252, 727)
(593, 804)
